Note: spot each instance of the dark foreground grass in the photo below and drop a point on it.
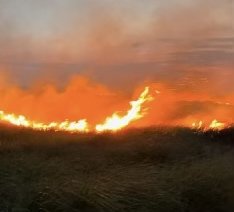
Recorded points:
(159, 169)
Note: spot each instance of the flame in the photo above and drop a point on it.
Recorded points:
(198, 125)
(214, 125)
(22, 121)
(116, 122)
(113, 123)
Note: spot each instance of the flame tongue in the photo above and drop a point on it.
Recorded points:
(79, 126)
(116, 122)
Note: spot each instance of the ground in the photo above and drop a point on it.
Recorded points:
(154, 169)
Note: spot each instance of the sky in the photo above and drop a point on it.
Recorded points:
(177, 45)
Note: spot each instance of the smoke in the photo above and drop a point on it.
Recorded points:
(82, 98)
(86, 59)
(184, 107)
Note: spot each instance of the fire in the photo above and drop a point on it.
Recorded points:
(198, 125)
(117, 122)
(113, 123)
(214, 125)
(22, 121)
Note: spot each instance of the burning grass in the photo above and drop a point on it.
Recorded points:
(153, 169)
(112, 123)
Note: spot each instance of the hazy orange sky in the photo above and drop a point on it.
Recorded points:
(113, 48)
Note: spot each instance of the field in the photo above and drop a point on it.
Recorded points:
(154, 169)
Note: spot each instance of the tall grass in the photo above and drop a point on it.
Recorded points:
(155, 169)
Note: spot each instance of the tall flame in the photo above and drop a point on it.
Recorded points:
(117, 122)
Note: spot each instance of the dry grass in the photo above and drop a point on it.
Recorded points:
(160, 169)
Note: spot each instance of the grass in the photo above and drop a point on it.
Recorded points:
(154, 169)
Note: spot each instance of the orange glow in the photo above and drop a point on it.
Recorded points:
(48, 108)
